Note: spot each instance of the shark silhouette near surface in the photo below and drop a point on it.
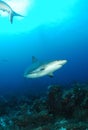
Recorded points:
(5, 7)
(38, 69)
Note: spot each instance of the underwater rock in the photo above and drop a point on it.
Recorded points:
(59, 109)
(33, 120)
(21, 121)
(85, 103)
(39, 105)
(80, 114)
(54, 99)
(3, 106)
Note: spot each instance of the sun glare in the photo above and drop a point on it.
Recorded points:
(37, 13)
(19, 6)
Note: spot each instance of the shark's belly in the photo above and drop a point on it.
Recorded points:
(4, 8)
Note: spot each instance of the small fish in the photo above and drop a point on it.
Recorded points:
(38, 69)
(5, 7)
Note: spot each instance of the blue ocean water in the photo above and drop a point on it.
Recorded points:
(51, 30)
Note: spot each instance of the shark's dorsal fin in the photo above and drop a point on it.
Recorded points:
(34, 59)
(50, 75)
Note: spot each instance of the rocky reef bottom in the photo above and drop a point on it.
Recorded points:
(58, 109)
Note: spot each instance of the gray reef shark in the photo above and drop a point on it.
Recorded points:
(38, 69)
(5, 7)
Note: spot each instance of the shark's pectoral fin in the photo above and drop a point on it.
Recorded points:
(51, 75)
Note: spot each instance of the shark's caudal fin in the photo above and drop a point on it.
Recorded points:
(12, 14)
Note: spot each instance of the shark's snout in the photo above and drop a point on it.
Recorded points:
(64, 62)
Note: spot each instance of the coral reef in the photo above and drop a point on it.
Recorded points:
(59, 109)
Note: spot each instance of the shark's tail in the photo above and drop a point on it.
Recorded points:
(12, 14)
